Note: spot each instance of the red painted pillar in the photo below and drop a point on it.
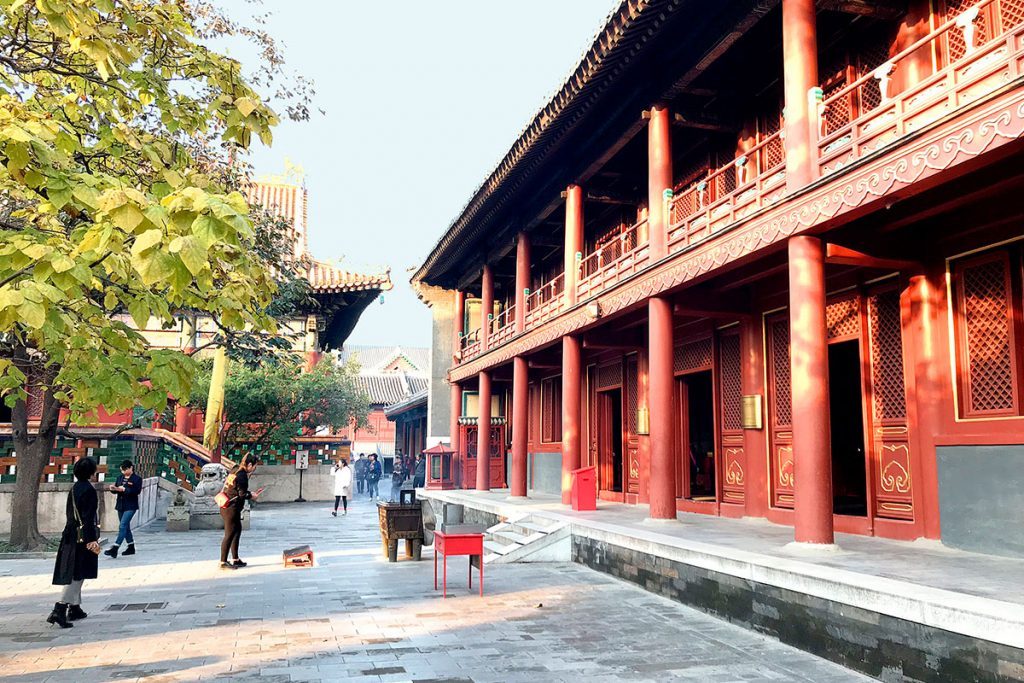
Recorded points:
(659, 391)
(456, 413)
(659, 178)
(754, 447)
(520, 420)
(573, 240)
(522, 279)
(311, 360)
(483, 442)
(486, 305)
(458, 323)
(812, 453)
(181, 419)
(800, 74)
(571, 387)
(931, 387)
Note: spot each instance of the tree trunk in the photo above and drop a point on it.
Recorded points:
(32, 452)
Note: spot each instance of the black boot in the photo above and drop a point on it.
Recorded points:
(75, 612)
(112, 552)
(59, 616)
(130, 550)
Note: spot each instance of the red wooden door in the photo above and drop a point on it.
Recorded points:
(780, 411)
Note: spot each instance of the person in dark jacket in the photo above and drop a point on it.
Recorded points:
(360, 468)
(398, 476)
(419, 471)
(127, 487)
(78, 553)
(236, 486)
(373, 474)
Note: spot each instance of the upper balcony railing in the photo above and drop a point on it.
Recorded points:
(967, 57)
(749, 182)
(545, 302)
(470, 343)
(503, 327)
(976, 50)
(618, 258)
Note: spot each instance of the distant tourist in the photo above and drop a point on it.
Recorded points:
(79, 550)
(373, 475)
(127, 487)
(360, 467)
(342, 485)
(398, 475)
(236, 490)
(419, 471)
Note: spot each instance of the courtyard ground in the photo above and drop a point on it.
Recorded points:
(169, 613)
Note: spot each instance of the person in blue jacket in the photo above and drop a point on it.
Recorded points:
(127, 487)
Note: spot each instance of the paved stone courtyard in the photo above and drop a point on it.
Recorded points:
(355, 617)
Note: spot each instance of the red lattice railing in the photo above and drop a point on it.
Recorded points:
(470, 344)
(544, 303)
(868, 114)
(615, 260)
(747, 183)
(503, 327)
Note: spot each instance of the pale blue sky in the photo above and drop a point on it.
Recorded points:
(422, 100)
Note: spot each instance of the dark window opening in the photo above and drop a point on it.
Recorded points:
(846, 417)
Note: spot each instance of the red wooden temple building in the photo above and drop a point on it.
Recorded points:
(758, 259)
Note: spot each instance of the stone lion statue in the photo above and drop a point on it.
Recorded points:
(211, 480)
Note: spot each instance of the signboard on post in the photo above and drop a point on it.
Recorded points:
(302, 460)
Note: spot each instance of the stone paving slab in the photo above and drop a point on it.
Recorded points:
(356, 617)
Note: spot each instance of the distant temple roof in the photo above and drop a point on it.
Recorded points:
(341, 295)
(390, 374)
(417, 400)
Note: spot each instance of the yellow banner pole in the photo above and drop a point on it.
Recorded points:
(215, 402)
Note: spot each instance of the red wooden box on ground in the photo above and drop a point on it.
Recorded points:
(584, 489)
(466, 540)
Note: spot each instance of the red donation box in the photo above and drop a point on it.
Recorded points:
(583, 494)
(440, 472)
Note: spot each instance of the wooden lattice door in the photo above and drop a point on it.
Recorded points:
(731, 430)
(890, 429)
(780, 411)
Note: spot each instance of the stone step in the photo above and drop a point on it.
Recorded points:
(496, 548)
(509, 537)
(491, 557)
(500, 526)
(531, 525)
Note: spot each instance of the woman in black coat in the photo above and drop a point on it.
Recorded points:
(77, 556)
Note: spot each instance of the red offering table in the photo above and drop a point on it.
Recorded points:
(457, 542)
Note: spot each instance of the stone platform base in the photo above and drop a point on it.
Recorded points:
(204, 520)
(891, 629)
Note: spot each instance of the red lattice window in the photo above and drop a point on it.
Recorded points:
(842, 318)
(609, 376)
(956, 46)
(730, 380)
(533, 425)
(551, 410)
(692, 356)
(782, 405)
(986, 322)
(889, 394)
(773, 154)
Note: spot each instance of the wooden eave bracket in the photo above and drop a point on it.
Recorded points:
(844, 256)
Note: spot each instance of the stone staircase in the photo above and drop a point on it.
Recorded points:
(530, 538)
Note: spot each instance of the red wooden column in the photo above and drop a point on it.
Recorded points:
(181, 419)
(812, 453)
(659, 179)
(458, 322)
(486, 305)
(483, 441)
(659, 392)
(571, 415)
(573, 240)
(456, 413)
(754, 447)
(522, 279)
(311, 360)
(800, 74)
(932, 385)
(520, 418)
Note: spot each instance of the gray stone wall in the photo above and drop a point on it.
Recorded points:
(981, 498)
(885, 647)
(442, 308)
(51, 507)
(543, 469)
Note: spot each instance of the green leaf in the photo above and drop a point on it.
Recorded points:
(246, 105)
(192, 254)
(32, 314)
(146, 240)
(127, 217)
(139, 312)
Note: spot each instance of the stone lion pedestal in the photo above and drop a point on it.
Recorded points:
(205, 514)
